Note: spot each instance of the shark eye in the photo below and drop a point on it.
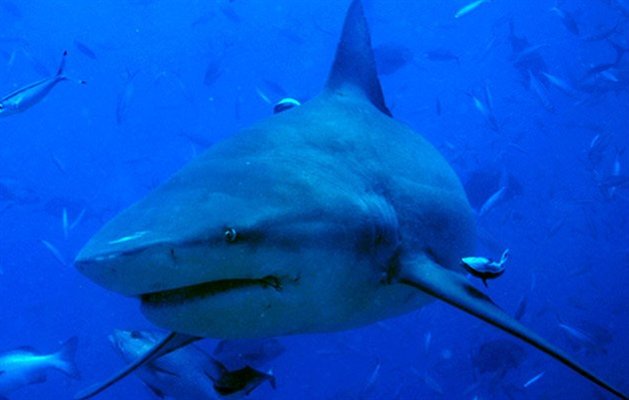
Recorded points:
(230, 235)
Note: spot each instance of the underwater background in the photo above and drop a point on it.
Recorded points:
(526, 98)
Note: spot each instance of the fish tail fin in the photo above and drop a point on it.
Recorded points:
(62, 64)
(65, 358)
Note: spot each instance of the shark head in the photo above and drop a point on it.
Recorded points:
(296, 224)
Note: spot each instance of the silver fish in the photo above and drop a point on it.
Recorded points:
(25, 366)
(469, 8)
(186, 374)
(29, 95)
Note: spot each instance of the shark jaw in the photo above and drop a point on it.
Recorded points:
(202, 290)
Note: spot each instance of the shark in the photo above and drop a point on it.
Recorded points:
(325, 217)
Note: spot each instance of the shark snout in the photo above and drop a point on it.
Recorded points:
(147, 268)
(125, 271)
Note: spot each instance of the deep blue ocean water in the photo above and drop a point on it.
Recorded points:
(167, 79)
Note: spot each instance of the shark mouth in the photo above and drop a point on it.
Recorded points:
(206, 289)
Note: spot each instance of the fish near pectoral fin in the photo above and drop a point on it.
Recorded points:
(354, 68)
(167, 345)
(244, 380)
(455, 290)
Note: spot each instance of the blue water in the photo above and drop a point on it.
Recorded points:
(166, 80)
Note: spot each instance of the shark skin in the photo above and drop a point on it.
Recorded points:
(325, 217)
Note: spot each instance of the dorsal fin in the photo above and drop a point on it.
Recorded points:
(354, 67)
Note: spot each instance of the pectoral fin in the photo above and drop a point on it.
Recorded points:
(455, 290)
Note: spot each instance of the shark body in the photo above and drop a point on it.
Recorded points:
(325, 217)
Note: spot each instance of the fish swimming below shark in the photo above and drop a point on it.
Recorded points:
(25, 366)
(188, 373)
(325, 217)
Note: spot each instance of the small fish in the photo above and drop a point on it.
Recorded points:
(373, 378)
(55, 252)
(599, 69)
(427, 341)
(562, 85)
(521, 309)
(29, 95)
(59, 164)
(390, 57)
(540, 92)
(616, 166)
(212, 72)
(603, 34)
(610, 190)
(492, 201)
(469, 8)
(433, 384)
(598, 145)
(265, 98)
(489, 98)
(610, 75)
(614, 181)
(25, 366)
(578, 334)
(85, 50)
(486, 112)
(64, 222)
(78, 219)
(588, 336)
(485, 268)
(125, 98)
(534, 379)
(525, 55)
(567, 19)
